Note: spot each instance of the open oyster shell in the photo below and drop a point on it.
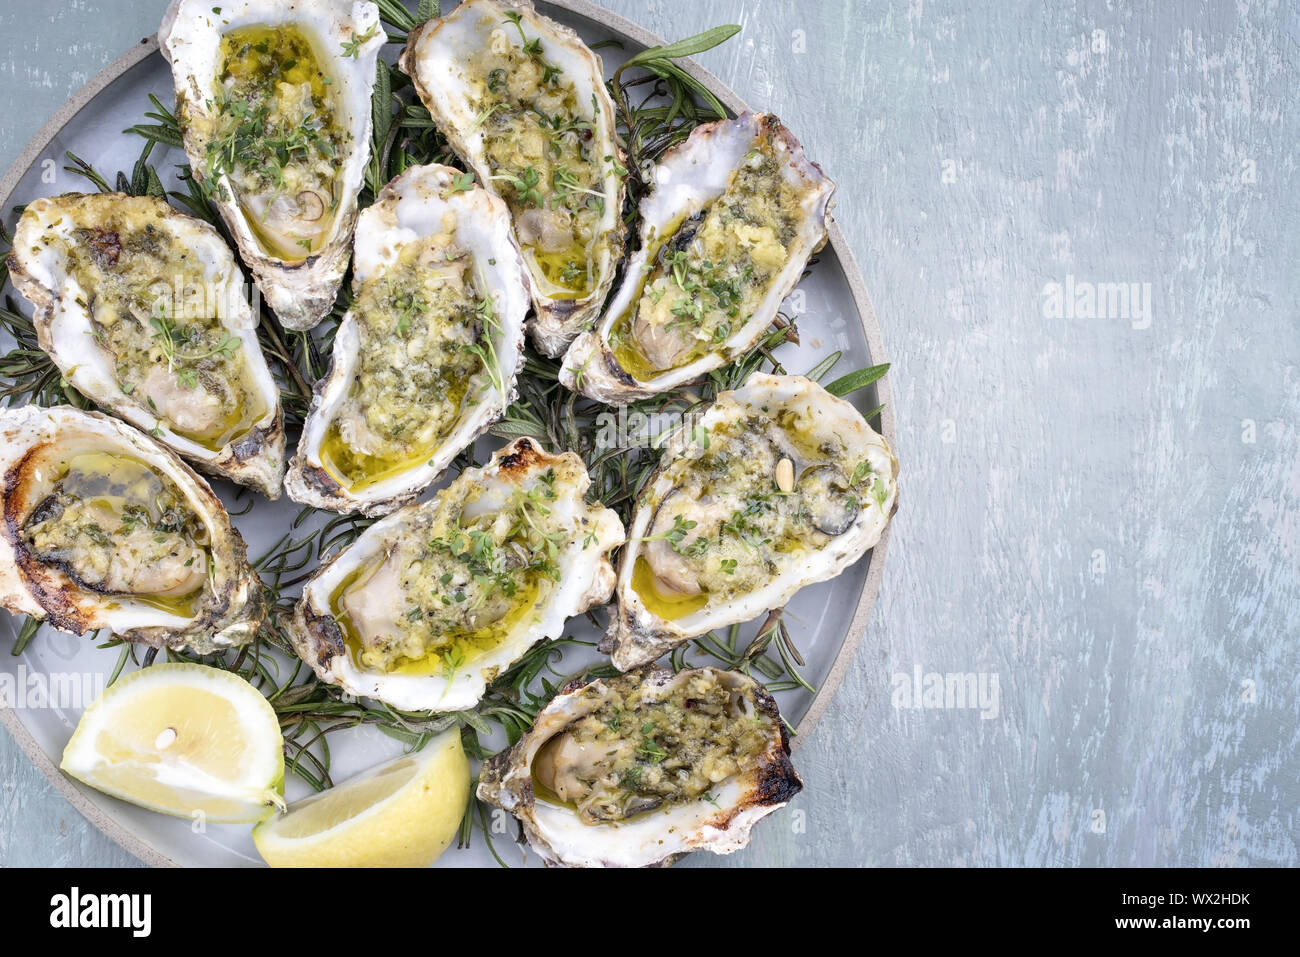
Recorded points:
(104, 528)
(643, 768)
(426, 358)
(145, 313)
(431, 603)
(522, 100)
(735, 213)
(274, 101)
(778, 485)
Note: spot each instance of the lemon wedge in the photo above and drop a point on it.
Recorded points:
(401, 814)
(183, 739)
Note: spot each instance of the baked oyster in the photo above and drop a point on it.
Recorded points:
(274, 102)
(735, 213)
(104, 528)
(779, 485)
(425, 360)
(522, 100)
(643, 768)
(144, 311)
(431, 603)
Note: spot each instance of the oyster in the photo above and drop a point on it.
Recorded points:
(735, 213)
(522, 101)
(104, 528)
(642, 768)
(779, 485)
(426, 358)
(274, 101)
(430, 604)
(143, 310)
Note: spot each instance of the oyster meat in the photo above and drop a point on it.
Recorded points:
(426, 358)
(780, 484)
(640, 769)
(145, 313)
(274, 101)
(734, 215)
(431, 603)
(523, 102)
(104, 528)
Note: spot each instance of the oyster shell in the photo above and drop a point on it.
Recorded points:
(788, 486)
(430, 604)
(143, 310)
(274, 101)
(522, 100)
(426, 358)
(735, 213)
(104, 528)
(643, 768)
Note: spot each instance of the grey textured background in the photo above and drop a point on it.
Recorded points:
(1107, 518)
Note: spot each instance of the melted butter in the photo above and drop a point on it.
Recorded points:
(182, 606)
(464, 648)
(659, 603)
(356, 471)
(285, 50)
(84, 475)
(627, 350)
(261, 56)
(113, 483)
(551, 267)
(633, 359)
(238, 422)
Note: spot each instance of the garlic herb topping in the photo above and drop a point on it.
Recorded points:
(275, 137)
(708, 276)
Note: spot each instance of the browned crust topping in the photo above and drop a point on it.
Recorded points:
(523, 456)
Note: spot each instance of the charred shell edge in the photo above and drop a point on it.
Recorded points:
(228, 618)
(777, 781)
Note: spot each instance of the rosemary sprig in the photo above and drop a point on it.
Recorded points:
(667, 109)
(659, 61)
(400, 21)
(857, 380)
(27, 374)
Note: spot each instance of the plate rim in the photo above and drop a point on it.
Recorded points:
(77, 795)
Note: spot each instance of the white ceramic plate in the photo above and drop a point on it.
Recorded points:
(826, 620)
